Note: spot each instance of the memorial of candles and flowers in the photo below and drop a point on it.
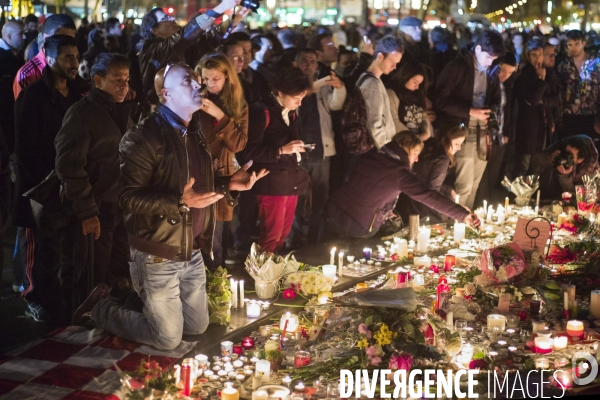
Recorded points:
(447, 297)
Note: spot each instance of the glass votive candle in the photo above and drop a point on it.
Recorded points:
(537, 325)
(512, 320)
(202, 361)
(222, 373)
(544, 333)
(367, 253)
(247, 342)
(564, 377)
(561, 342)
(543, 345)
(208, 374)
(253, 309)
(329, 270)
(575, 329)
(301, 359)
(449, 262)
(525, 335)
(226, 348)
(542, 363)
(265, 330)
(238, 364)
(496, 320)
(237, 349)
(226, 359)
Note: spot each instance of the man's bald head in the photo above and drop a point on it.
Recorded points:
(177, 87)
(13, 35)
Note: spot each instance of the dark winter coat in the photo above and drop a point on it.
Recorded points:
(531, 121)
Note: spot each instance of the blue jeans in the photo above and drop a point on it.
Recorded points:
(174, 297)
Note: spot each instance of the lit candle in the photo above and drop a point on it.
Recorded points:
(226, 348)
(537, 200)
(332, 256)
(260, 395)
(253, 309)
(292, 322)
(542, 363)
(449, 262)
(234, 294)
(286, 380)
(230, 393)
(329, 270)
(561, 342)
(595, 303)
(575, 329)
(537, 326)
(350, 259)
(496, 320)
(484, 208)
(299, 387)
(564, 377)
(423, 239)
(459, 232)
(264, 367)
(506, 202)
(402, 248)
(247, 343)
(324, 297)
(543, 345)
(301, 359)
(237, 349)
(341, 263)
(367, 253)
(562, 217)
(241, 294)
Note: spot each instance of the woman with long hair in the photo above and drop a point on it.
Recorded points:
(435, 160)
(224, 123)
(359, 207)
(408, 100)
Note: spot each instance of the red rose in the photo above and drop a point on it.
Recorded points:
(477, 364)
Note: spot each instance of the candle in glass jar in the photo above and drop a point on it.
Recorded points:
(575, 329)
(247, 342)
(289, 322)
(449, 262)
(226, 348)
(561, 342)
(253, 309)
(537, 326)
(459, 231)
(324, 297)
(230, 393)
(237, 349)
(543, 345)
(264, 330)
(496, 320)
(329, 270)
(564, 377)
(260, 395)
(542, 363)
(301, 359)
(264, 366)
(367, 253)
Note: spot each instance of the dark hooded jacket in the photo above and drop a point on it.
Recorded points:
(454, 91)
(374, 186)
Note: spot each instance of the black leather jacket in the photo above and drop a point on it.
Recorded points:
(154, 170)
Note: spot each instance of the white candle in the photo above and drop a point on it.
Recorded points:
(537, 200)
(543, 344)
(536, 212)
(423, 239)
(506, 202)
(329, 270)
(229, 393)
(496, 320)
(595, 303)
(490, 214)
(234, 293)
(562, 217)
(242, 294)
(450, 319)
(253, 309)
(566, 302)
(402, 248)
(459, 232)
(561, 342)
(484, 208)
(424, 261)
(260, 395)
(332, 256)
(341, 263)
(264, 366)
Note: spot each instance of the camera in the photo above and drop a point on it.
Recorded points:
(251, 4)
(492, 123)
(565, 158)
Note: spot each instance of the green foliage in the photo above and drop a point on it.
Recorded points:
(219, 296)
(467, 277)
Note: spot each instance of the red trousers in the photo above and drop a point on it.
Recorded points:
(276, 215)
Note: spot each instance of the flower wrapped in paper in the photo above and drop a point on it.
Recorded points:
(523, 187)
(267, 269)
(503, 263)
(308, 282)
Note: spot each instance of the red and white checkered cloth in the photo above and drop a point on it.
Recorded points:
(76, 363)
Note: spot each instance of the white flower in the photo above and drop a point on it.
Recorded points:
(470, 289)
(501, 274)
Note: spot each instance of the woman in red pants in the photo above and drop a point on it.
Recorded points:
(273, 144)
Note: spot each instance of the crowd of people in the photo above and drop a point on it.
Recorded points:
(133, 156)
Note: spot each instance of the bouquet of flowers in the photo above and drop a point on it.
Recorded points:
(308, 282)
(501, 264)
(267, 269)
(575, 223)
(148, 381)
(219, 296)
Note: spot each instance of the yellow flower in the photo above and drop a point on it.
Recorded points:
(362, 343)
